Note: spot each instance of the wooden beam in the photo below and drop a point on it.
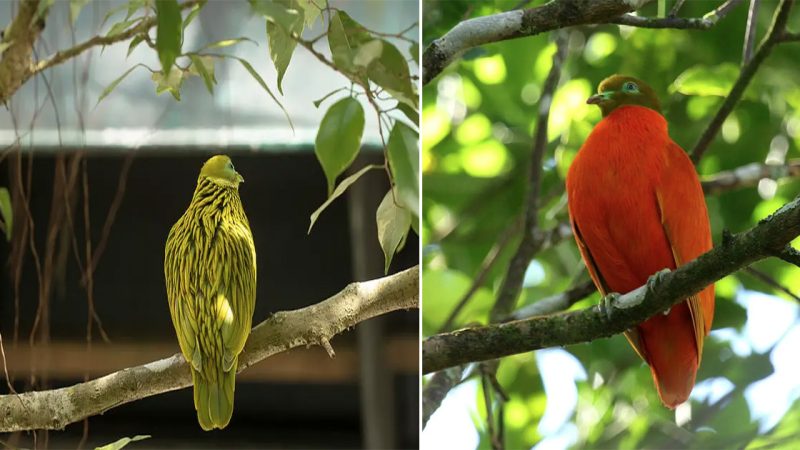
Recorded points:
(71, 360)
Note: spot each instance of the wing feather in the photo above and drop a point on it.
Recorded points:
(632, 335)
(684, 218)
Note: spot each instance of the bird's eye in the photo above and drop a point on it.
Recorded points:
(230, 165)
(630, 86)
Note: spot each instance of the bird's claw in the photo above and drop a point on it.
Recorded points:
(654, 280)
(606, 305)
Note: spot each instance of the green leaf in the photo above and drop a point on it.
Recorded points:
(171, 82)
(339, 138)
(227, 43)
(134, 43)
(340, 189)
(319, 102)
(783, 435)
(135, 5)
(345, 35)
(404, 164)
(168, 33)
(414, 50)
(114, 84)
(44, 7)
(123, 442)
(6, 212)
(310, 10)
(411, 113)
(117, 9)
(195, 11)
(279, 12)
(204, 67)
(393, 224)
(390, 72)
(702, 80)
(119, 27)
(281, 44)
(75, 7)
(368, 52)
(260, 81)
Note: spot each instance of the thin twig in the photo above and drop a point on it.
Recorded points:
(692, 23)
(486, 267)
(532, 236)
(748, 71)
(750, 32)
(790, 255)
(676, 8)
(771, 282)
(749, 175)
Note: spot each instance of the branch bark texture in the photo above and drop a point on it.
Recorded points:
(313, 325)
(17, 65)
(518, 23)
(768, 238)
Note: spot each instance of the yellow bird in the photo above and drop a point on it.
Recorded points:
(210, 271)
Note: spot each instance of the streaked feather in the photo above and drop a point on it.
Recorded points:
(210, 271)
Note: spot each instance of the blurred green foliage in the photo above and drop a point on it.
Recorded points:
(478, 117)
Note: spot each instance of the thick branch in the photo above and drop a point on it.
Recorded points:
(518, 23)
(774, 36)
(768, 238)
(15, 63)
(313, 325)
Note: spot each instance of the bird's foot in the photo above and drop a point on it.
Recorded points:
(654, 281)
(606, 305)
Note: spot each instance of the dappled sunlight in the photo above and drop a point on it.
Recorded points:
(598, 47)
(474, 128)
(490, 69)
(486, 159)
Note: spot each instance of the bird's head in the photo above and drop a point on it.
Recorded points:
(618, 90)
(219, 168)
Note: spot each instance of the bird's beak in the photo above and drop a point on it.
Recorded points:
(599, 98)
(239, 178)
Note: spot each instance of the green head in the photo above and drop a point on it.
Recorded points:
(618, 90)
(219, 168)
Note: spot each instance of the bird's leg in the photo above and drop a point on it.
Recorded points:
(653, 282)
(606, 305)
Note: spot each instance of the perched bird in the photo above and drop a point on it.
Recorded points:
(210, 271)
(636, 207)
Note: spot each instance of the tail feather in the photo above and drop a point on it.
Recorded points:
(671, 352)
(213, 400)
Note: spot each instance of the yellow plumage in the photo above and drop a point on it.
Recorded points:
(210, 271)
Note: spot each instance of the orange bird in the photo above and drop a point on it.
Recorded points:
(636, 207)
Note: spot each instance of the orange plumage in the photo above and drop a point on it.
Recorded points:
(636, 206)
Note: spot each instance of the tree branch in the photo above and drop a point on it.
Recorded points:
(313, 325)
(768, 238)
(20, 71)
(774, 36)
(532, 237)
(20, 36)
(749, 175)
(692, 23)
(518, 23)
